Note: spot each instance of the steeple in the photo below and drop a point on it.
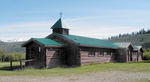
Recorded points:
(58, 28)
(58, 24)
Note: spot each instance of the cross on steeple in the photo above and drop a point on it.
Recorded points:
(60, 14)
(58, 27)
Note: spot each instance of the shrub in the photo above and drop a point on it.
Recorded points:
(16, 56)
(2, 55)
(147, 55)
(147, 50)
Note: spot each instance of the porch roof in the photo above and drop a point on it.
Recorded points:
(44, 41)
(136, 48)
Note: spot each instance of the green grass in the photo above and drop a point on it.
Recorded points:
(141, 80)
(145, 80)
(130, 67)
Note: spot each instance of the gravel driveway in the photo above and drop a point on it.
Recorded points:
(113, 76)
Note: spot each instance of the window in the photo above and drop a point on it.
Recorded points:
(112, 53)
(50, 49)
(105, 53)
(100, 54)
(91, 54)
(39, 49)
(108, 53)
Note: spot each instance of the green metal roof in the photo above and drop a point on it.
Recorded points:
(46, 42)
(90, 41)
(123, 44)
(58, 24)
(137, 47)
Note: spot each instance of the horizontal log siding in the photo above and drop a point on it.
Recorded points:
(136, 56)
(85, 59)
(140, 54)
(71, 50)
(32, 53)
(55, 57)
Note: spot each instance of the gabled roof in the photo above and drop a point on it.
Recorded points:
(43, 41)
(57, 25)
(123, 44)
(92, 42)
(136, 48)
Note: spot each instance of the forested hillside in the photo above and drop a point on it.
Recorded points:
(137, 38)
(12, 47)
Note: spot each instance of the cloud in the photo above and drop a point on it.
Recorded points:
(83, 26)
(103, 31)
(24, 31)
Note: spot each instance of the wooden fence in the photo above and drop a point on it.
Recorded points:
(21, 64)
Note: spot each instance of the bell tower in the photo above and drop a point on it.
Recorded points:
(58, 28)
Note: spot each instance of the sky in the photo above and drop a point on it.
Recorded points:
(24, 19)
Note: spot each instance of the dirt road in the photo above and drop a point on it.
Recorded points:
(113, 76)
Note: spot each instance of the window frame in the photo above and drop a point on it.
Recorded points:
(91, 54)
(100, 54)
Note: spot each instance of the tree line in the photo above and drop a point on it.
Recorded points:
(5, 56)
(140, 32)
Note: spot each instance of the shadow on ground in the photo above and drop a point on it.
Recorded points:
(8, 68)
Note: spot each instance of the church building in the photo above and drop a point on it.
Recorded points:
(62, 49)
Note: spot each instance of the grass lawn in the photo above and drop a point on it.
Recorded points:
(129, 67)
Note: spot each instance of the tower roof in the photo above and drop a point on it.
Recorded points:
(58, 24)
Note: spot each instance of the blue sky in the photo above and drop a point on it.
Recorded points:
(23, 19)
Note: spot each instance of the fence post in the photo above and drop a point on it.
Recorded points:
(20, 64)
(11, 68)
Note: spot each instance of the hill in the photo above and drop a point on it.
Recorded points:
(12, 47)
(136, 39)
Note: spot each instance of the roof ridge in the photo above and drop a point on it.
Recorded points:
(88, 37)
(90, 41)
(122, 42)
(40, 38)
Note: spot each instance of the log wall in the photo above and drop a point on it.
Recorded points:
(72, 54)
(122, 55)
(85, 59)
(137, 56)
(55, 58)
(140, 55)
(36, 53)
(96, 55)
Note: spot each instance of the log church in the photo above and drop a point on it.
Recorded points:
(62, 49)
